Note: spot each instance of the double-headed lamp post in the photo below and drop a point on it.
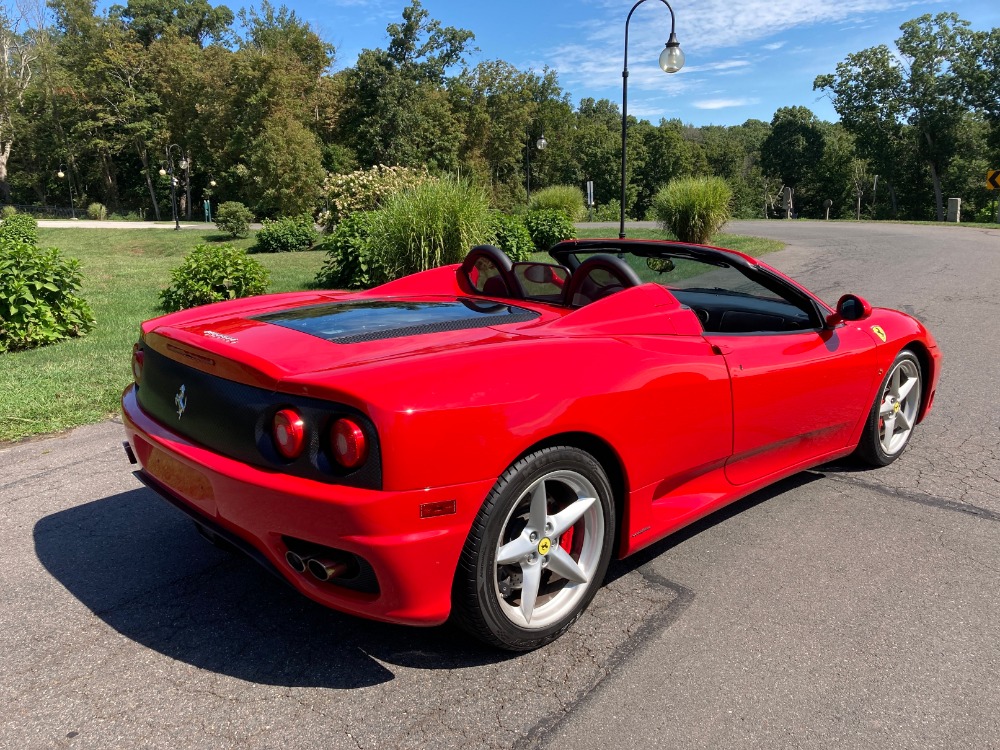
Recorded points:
(61, 174)
(173, 180)
(671, 60)
(540, 144)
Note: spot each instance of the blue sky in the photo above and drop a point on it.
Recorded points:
(744, 59)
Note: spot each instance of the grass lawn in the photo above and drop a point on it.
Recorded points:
(79, 381)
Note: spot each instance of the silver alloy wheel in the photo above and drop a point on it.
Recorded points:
(899, 406)
(549, 550)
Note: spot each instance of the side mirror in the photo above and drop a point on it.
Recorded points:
(850, 307)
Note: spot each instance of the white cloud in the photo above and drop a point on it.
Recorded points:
(774, 45)
(723, 103)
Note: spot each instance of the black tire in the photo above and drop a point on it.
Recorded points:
(875, 447)
(488, 598)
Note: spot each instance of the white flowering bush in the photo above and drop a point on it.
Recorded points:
(365, 190)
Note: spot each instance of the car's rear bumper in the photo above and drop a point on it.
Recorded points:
(413, 558)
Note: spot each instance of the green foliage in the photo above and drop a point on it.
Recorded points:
(511, 236)
(547, 227)
(233, 218)
(609, 211)
(431, 225)
(39, 301)
(7, 211)
(693, 208)
(213, 273)
(365, 190)
(565, 198)
(97, 212)
(348, 254)
(19, 228)
(286, 235)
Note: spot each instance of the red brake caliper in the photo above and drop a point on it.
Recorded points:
(566, 541)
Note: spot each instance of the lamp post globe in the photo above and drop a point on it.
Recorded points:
(541, 143)
(672, 57)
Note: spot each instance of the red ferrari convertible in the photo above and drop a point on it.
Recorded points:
(477, 441)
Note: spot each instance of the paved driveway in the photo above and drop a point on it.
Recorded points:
(837, 609)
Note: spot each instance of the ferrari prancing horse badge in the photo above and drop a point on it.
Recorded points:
(877, 330)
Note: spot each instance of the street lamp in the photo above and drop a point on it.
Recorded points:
(671, 60)
(540, 144)
(173, 180)
(61, 174)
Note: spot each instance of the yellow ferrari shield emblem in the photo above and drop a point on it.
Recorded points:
(544, 546)
(877, 330)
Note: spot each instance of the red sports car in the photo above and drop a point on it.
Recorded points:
(478, 440)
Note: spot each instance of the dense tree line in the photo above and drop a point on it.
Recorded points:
(250, 101)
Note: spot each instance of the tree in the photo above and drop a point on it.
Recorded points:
(398, 113)
(933, 90)
(868, 93)
(792, 150)
(18, 54)
(193, 19)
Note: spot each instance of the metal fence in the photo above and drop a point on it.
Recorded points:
(48, 212)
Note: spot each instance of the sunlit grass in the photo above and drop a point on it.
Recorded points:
(79, 381)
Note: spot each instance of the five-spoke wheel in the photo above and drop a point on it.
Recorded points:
(894, 412)
(538, 550)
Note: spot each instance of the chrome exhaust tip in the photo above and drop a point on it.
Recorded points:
(326, 570)
(296, 561)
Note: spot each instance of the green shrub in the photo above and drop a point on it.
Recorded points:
(693, 208)
(565, 198)
(19, 228)
(7, 211)
(432, 224)
(97, 212)
(348, 254)
(547, 227)
(511, 236)
(286, 235)
(39, 301)
(233, 218)
(610, 211)
(365, 190)
(213, 273)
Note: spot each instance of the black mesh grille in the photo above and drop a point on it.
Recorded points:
(235, 420)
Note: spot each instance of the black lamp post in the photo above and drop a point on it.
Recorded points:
(540, 144)
(173, 180)
(671, 60)
(69, 181)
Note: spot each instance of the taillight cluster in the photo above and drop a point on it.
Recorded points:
(347, 441)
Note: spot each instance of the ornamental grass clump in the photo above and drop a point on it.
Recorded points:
(693, 208)
(213, 273)
(39, 299)
(430, 225)
(565, 198)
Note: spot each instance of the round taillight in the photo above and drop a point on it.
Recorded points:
(347, 440)
(289, 433)
(137, 357)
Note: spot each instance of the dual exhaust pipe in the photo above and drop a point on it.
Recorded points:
(322, 569)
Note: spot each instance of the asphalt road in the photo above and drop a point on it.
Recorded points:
(841, 608)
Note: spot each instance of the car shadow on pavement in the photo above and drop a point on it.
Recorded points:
(143, 569)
